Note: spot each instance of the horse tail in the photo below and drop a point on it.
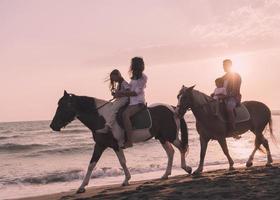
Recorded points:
(270, 125)
(184, 134)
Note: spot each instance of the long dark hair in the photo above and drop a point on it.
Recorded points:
(136, 68)
(114, 84)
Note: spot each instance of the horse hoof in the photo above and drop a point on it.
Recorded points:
(164, 178)
(197, 172)
(268, 165)
(125, 184)
(188, 170)
(81, 190)
(249, 164)
(231, 168)
(270, 160)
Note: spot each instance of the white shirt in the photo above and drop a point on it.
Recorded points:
(138, 86)
(124, 86)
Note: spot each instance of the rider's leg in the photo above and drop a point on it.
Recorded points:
(217, 107)
(117, 104)
(230, 106)
(128, 113)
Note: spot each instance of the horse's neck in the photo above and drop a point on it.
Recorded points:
(92, 120)
(100, 102)
(104, 107)
(87, 120)
(200, 100)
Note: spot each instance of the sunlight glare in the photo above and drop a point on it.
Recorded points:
(240, 65)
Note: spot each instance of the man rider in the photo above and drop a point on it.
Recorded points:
(232, 83)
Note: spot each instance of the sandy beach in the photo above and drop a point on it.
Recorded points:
(253, 183)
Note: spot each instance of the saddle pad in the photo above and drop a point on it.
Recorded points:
(242, 114)
(142, 120)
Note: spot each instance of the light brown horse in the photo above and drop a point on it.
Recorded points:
(210, 126)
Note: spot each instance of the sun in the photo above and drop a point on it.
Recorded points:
(240, 65)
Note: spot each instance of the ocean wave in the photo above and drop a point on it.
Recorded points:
(66, 150)
(16, 147)
(54, 177)
(3, 138)
(75, 125)
(9, 137)
(276, 112)
(69, 131)
(76, 174)
(6, 131)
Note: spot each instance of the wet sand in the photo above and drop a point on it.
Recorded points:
(243, 183)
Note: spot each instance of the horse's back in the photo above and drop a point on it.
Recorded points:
(259, 112)
(257, 107)
(164, 126)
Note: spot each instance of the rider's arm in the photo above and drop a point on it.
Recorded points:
(141, 84)
(125, 94)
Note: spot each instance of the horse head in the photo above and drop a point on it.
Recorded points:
(184, 100)
(65, 112)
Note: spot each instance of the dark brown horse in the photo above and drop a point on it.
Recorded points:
(210, 126)
(92, 113)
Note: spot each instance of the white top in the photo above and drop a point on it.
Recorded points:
(138, 86)
(219, 91)
(124, 86)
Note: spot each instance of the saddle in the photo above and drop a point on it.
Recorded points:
(241, 112)
(141, 120)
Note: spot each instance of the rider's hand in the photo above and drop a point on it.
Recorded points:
(118, 94)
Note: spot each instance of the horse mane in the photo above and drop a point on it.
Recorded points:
(85, 104)
(200, 97)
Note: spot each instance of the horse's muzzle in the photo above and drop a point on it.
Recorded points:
(54, 128)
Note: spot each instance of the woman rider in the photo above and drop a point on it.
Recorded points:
(136, 95)
(117, 86)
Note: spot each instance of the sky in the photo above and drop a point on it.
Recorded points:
(51, 45)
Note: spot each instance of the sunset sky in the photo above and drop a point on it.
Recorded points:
(47, 46)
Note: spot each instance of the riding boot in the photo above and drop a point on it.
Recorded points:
(128, 142)
(232, 126)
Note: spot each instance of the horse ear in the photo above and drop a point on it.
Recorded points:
(183, 87)
(191, 88)
(65, 93)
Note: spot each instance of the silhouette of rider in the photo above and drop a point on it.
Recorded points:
(232, 83)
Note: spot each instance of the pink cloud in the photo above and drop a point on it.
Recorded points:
(243, 26)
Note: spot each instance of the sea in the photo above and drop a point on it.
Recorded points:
(34, 160)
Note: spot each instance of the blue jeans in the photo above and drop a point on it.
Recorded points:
(231, 104)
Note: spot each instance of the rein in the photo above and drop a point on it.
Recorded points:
(105, 104)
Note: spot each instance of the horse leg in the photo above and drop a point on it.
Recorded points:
(203, 148)
(223, 144)
(122, 161)
(98, 150)
(170, 154)
(266, 146)
(183, 152)
(249, 163)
